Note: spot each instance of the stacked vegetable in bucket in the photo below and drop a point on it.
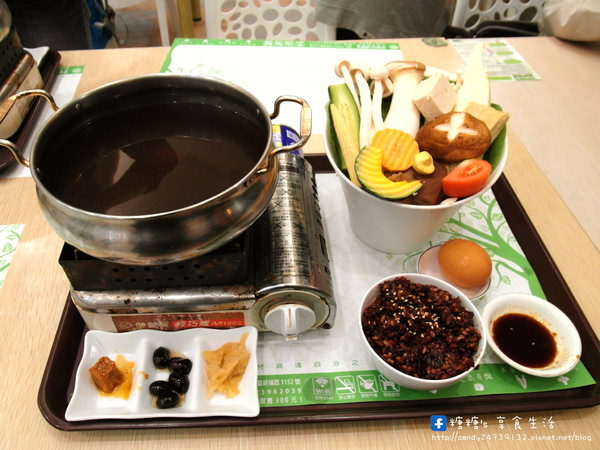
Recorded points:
(408, 133)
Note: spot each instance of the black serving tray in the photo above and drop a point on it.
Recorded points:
(65, 354)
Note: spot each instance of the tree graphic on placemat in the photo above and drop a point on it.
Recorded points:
(482, 221)
(495, 236)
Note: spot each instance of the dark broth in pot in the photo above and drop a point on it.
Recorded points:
(153, 159)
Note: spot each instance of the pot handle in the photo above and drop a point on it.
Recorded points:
(5, 108)
(305, 128)
(305, 121)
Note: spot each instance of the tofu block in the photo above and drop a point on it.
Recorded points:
(494, 119)
(434, 96)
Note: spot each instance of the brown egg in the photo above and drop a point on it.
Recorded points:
(464, 263)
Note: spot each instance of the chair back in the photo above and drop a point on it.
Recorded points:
(469, 14)
(265, 19)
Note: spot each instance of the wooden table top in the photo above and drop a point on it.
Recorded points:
(553, 136)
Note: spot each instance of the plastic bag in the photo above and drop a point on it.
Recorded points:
(575, 20)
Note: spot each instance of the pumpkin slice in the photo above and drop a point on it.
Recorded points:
(399, 148)
(370, 173)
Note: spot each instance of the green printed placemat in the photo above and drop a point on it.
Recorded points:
(269, 69)
(330, 366)
(502, 61)
(9, 239)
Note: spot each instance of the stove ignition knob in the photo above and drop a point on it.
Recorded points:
(290, 320)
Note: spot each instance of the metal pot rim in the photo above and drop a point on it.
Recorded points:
(72, 104)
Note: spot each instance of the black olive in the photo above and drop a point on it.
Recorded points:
(158, 387)
(179, 382)
(180, 365)
(167, 400)
(160, 358)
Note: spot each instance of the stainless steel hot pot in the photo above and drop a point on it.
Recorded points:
(167, 236)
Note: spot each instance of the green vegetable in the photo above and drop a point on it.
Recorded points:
(346, 123)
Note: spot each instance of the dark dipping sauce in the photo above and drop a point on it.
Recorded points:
(524, 340)
(152, 159)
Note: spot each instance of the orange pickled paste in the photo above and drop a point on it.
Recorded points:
(113, 378)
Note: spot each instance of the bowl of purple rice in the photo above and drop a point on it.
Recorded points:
(421, 332)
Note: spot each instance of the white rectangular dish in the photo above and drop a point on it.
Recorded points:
(87, 403)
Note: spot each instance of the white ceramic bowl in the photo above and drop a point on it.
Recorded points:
(566, 336)
(394, 227)
(402, 378)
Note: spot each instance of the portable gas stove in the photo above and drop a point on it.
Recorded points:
(275, 276)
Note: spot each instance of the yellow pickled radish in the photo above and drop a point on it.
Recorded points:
(399, 148)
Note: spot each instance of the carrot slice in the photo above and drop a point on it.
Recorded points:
(467, 178)
(399, 148)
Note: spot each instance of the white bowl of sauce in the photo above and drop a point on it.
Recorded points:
(532, 335)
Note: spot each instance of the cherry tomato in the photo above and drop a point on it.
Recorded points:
(467, 178)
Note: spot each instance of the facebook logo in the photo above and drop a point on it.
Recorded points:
(438, 423)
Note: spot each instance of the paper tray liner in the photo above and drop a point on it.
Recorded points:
(66, 351)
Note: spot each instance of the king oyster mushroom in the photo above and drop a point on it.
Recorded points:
(403, 114)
